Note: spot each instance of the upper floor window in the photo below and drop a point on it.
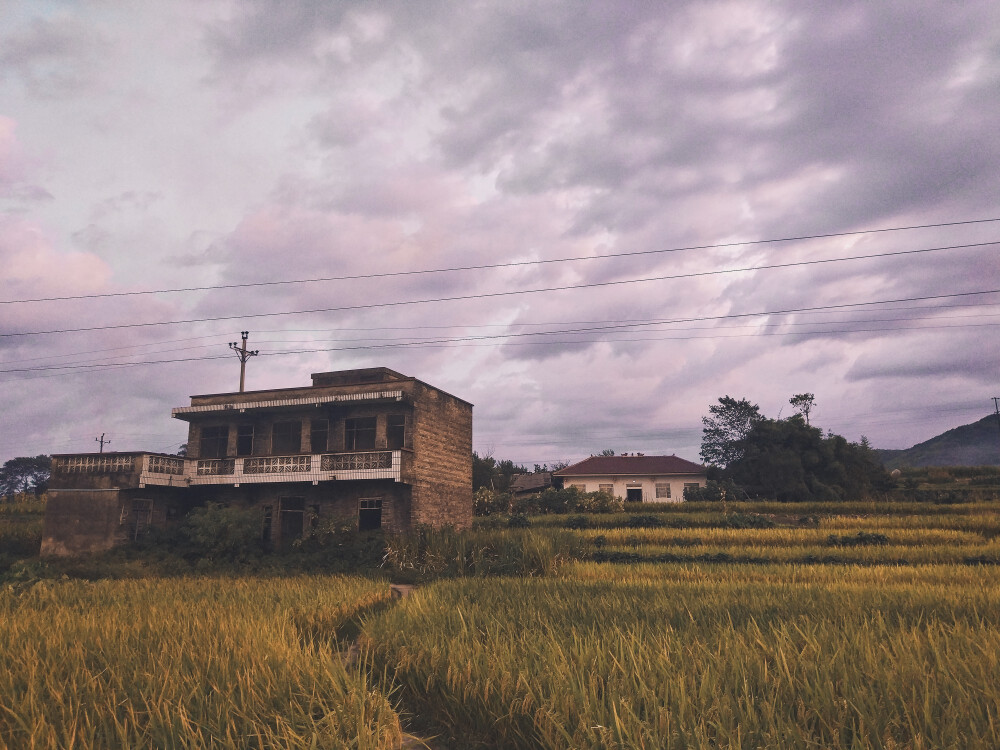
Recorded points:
(359, 434)
(214, 441)
(319, 433)
(286, 437)
(395, 431)
(244, 440)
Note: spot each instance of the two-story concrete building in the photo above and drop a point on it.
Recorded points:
(369, 447)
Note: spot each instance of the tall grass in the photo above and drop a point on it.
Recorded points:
(634, 662)
(193, 663)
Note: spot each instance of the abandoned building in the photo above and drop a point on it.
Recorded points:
(370, 447)
(635, 477)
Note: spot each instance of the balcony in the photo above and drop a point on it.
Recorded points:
(151, 469)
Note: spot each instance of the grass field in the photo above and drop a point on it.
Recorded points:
(868, 625)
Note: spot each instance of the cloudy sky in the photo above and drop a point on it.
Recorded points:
(581, 217)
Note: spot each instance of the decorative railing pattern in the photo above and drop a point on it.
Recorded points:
(94, 464)
(357, 461)
(276, 464)
(216, 466)
(164, 465)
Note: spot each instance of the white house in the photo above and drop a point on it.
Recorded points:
(635, 477)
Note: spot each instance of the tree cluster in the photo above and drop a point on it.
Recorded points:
(25, 474)
(787, 459)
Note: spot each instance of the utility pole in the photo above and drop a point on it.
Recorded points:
(244, 355)
(996, 407)
(102, 441)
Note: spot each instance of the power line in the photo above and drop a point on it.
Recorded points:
(512, 264)
(591, 329)
(491, 295)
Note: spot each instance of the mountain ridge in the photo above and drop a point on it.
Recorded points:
(973, 444)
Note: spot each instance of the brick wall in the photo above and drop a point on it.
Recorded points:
(442, 459)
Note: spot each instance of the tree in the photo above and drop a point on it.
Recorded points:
(726, 429)
(787, 460)
(607, 452)
(803, 403)
(25, 474)
(492, 474)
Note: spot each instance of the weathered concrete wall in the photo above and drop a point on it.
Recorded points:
(442, 460)
(81, 521)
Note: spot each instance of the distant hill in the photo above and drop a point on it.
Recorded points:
(976, 444)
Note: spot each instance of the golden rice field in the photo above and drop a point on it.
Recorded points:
(895, 646)
(188, 663)
(655, 656)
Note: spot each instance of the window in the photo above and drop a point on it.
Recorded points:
(369, 513)
(359, 434)
(244, 440)
(319, 433)
(395, 431)
(286, 437)
(691, 486)
(663, 491)
(581, 487)
(608, 489)
(214, 441)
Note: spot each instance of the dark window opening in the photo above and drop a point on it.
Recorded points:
(286, 437)
(319, 433)
(359, 434)
(292, 518)
(370, 514)
(313, 516)
(244, 440)
(214, 442)
(633, 494)
(265, 533)
(395, 431)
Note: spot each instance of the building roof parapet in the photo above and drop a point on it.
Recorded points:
(181, 411)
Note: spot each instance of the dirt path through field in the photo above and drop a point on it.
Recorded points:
(350, 657)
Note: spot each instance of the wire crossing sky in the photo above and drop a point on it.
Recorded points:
(589, 221)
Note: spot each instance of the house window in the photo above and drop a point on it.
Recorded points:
(581, 487)
(608, 489)
(286, 437)
(691, 486)
(663, 491)
(395, 431)
(369, 513)
(359, 434)
(319, 433)
(214, 441)
(244, 440)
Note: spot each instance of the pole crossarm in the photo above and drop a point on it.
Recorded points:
(243, 354)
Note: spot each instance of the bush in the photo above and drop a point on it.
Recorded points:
(644, 522)
(568, 500)
(714, 491)
(219, 533)
(487, 502)
(861, 539)
(577, 522)
(518, 521)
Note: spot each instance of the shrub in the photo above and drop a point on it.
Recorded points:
(644, 522)
(861, 539)
(518, 521)
(487, 502)
(217, 532)
(577, 522)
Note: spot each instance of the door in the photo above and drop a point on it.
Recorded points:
(369, 514)
(633, 494)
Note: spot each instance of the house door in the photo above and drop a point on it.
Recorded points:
(142, 514)
(633, 494)
(291, 518)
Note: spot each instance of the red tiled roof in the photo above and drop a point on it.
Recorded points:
(624, 465)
